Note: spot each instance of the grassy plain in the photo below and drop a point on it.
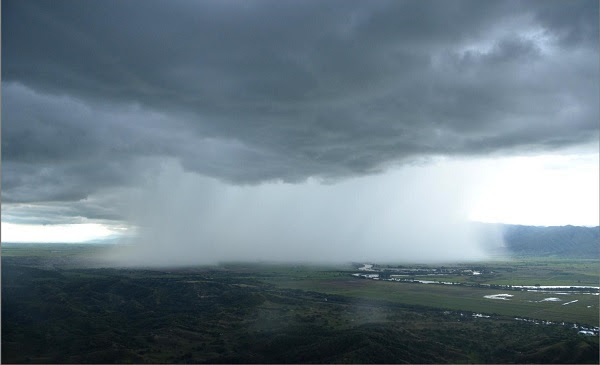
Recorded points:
(458, 297)
(58, 308)
(522, 304)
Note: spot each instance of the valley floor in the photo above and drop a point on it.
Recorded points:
(55, 310)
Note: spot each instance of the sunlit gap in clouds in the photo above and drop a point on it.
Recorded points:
(59, 233)
(545, 190)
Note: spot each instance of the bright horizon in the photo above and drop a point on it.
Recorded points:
(516, 192)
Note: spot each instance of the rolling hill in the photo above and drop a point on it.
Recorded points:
(560, 241)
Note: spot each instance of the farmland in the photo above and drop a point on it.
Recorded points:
(469, 291)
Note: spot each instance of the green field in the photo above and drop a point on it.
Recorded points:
(523, 304)
(60, 305)
(456, 297)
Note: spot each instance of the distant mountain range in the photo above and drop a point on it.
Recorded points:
(565, 241)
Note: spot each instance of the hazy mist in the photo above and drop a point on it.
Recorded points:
(414, 213)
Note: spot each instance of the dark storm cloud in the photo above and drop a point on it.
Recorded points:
(264, 90)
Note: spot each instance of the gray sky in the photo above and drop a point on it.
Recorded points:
(99, 96)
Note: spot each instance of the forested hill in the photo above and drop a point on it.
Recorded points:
(565, 241)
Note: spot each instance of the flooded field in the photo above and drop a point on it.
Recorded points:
(499, 296)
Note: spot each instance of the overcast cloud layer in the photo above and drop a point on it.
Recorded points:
(253, 92)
